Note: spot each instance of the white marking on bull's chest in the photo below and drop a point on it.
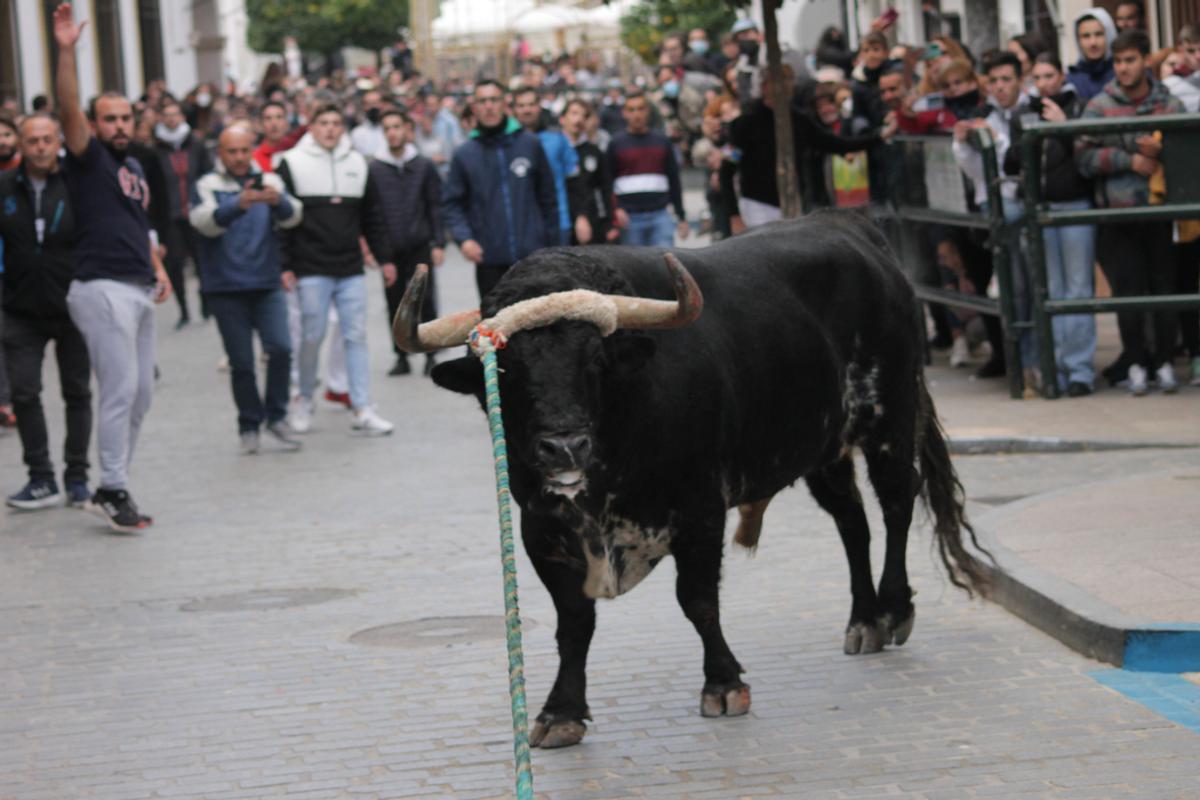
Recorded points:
(629, 552)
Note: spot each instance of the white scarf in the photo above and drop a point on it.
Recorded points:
(172, 137)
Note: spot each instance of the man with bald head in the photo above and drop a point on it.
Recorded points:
(38, 229)
(236, 210)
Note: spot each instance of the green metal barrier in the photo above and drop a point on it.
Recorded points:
(1001, 237)
(1181, 146)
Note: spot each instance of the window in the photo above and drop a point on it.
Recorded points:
(150, 28)
(108, 42)
(10, 74)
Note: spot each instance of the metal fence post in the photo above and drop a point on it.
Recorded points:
(1002, 241)
(1031, 169)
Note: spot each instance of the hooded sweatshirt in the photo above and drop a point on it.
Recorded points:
(340, 204)
(1109, 158)
(1089, 77)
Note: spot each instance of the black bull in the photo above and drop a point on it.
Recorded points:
(631, 447)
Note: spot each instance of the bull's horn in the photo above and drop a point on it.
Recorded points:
(642, 314)
(413, 337)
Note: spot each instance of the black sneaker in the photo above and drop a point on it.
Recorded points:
(117, 508)
(1078, 389)
(994, 368)
(38, 493)
(283, 434)
(401, 366)
(77, 493)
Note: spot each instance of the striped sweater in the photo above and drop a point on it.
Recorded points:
(1109, 158)
(645, 173)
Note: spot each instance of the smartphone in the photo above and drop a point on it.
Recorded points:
(256, 182)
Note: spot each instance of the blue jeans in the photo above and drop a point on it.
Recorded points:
(650, 229)
(1070, 255)
(350, 296)
(239, 315)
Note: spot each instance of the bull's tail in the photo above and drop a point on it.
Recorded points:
(943, 496)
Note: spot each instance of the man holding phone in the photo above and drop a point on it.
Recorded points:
(236, 210)
(118, 275)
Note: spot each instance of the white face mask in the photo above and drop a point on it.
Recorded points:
(203, 99)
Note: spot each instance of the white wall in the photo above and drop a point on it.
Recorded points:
(35, 65)
(179, 56)
(131, 50)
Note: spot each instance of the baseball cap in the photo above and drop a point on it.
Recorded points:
(744, 24)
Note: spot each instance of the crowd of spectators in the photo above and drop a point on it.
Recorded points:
(280, 195)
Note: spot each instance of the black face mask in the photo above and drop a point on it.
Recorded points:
(748, 47)
(373, 115)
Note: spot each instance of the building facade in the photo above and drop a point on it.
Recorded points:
(126, 44)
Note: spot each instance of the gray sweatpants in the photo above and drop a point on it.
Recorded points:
(117, 322)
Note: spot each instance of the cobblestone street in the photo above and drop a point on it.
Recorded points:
(216, 655)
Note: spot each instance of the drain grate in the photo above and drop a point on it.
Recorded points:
(266, 599)
(436, 631)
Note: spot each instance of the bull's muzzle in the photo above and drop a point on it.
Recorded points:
(607, 312)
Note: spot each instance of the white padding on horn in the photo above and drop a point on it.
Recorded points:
(580, 305)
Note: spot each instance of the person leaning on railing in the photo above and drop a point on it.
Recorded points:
(1070, 250)
(1135, 256)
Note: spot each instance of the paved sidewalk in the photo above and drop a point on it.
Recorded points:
(328, 625)
(1108, 563)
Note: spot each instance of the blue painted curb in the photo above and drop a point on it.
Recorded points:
(1163, 648)
(1169, 696)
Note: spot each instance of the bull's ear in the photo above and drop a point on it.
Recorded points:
(629, 353)
(463, 375)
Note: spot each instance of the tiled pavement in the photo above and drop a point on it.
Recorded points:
(183, 663)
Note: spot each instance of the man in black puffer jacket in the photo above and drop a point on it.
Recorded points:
(410, 192)
(37, 229)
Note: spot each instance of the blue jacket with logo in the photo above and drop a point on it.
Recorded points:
(238, 249)
(500, 192)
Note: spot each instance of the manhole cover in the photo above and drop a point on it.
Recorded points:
(436, 631)
(265, 599)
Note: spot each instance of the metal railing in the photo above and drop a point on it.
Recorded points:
(1001, 237)
(1181, 146)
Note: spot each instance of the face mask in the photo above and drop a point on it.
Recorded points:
(671, 89)
(373, 115)
(748, 47)
(699, 47)
(203, 99)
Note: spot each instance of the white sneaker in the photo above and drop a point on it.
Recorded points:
(960, 352)
(365, 419)
(1165, 375)
(300, 419)
(249, 442)
(1137, 380)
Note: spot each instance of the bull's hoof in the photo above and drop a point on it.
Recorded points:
(552, 733)
(725, 700)
(862, 638)
(898, 633)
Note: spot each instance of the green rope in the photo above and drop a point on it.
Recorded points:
(484, 346)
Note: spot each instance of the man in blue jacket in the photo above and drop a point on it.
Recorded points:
(564, 162)
(236, 209)
(499, 202)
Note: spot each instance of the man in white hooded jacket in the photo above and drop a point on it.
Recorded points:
(325, 261)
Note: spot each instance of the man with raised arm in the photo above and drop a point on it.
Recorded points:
(118, 276)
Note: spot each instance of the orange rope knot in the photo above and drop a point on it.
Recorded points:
(498, 339)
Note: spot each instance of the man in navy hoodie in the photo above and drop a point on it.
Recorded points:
(499, 203)
(236, 208)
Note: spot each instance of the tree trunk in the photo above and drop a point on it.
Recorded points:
(785, 151)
